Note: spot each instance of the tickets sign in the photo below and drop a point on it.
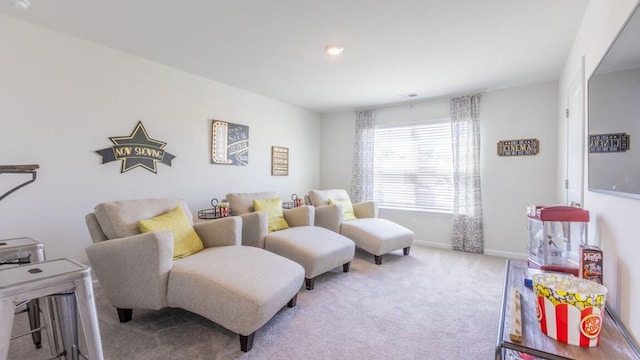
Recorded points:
(605, 143)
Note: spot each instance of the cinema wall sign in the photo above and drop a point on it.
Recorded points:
(605, 143)
(136, 150)
(519, 147)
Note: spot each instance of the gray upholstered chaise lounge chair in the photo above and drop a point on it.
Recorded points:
(370, 233)
(238, 287)
(318, 250)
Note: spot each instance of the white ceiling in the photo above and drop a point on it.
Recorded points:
(433, 48)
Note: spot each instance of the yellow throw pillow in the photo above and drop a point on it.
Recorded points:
(347, 208)
(185, 240)
(275, 215)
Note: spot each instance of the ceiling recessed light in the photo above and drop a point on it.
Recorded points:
(334, 49)
(19, 4)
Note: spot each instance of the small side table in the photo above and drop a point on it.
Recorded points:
(297, 202)
(218, 210)
(32, 281)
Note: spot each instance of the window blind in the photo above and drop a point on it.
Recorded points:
(413, 166)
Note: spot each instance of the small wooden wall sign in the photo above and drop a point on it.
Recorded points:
(279, 161)
(605, 143)
(519, 147)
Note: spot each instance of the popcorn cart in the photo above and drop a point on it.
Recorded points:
(555, 236)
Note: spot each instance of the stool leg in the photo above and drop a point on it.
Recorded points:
(7, 313)
(52, 332)
(33, 310)
(89, 317)
(68, 319)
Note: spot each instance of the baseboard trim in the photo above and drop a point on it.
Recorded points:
(506, 254)
(498, 253)
(432, 244)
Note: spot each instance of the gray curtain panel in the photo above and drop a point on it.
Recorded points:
(363, 156)
(467, 234)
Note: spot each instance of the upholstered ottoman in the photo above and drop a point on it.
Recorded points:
(378, 236)
(317, 249)
(217, 284)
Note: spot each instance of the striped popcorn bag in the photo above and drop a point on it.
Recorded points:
(569, 309)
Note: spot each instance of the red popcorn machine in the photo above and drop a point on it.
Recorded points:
(556, 234)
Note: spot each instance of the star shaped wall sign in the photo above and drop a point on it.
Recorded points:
(136, 150)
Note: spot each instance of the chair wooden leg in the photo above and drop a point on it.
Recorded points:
(125, 314)
(378, 259)
(293, 301)
(346, 267)
(309, 283)
(246, 342)
(406, 250)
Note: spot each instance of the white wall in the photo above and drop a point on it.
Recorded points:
(614, 221)
(61, 99)
(508, 184)
(337, 134)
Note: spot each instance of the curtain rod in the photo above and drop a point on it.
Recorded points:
(416, 102)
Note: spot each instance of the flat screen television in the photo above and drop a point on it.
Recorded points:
(614, 115)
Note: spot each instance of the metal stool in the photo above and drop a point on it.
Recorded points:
(23, 251)
(59, 278)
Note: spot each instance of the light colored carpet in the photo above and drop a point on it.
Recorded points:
(432, 304)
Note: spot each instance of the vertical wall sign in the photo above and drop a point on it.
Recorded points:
(279, 161)
(229, 143)
(519, 147)
(136, 150)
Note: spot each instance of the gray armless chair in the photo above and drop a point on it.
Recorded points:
(238, 287)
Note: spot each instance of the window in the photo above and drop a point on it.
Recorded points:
(413, 166)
